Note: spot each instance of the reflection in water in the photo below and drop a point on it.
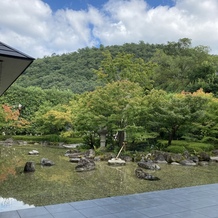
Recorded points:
(8, 204)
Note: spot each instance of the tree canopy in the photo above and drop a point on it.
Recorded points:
(145, 91)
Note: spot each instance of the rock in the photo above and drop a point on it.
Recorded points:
(90, 154)
(8, 142)
(171, 157)
(108, 156)
(148, 165)
(29, 167)
(75, 159)
(194, 159)
(203, 163)
(143, 175)
(215, 152)
(116, 162)
(33, 152)
(175, 163)
(85, 165)
(186, 154)
(71, 145)
(98, 158)
(22, 143)
(215, 159)
(188, 163)
(126, 158)
(160, 159)
(75, 155)
(46, 162)
(74, 151)
(161, 162)
(68, 152)
(203, 156)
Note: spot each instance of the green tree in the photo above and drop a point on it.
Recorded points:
(108, 108)
(170, 112)
(207, 129)
(180, 67)
(53, 120)
(125, 67)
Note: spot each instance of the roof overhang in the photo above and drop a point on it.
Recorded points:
(12, 64)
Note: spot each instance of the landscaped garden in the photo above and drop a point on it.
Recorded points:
(160, 101)
(62, 183)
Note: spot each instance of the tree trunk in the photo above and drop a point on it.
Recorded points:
(170, 138)
(172, 134)
(121, 137)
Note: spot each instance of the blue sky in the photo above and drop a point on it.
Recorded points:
(43, 27)
(82, 4)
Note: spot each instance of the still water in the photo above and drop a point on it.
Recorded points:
(8, 204)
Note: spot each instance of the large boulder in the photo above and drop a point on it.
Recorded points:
(188, 163)
(203, 156)
(149, 165)
(159, 157)
(85, 165)
(46, 162)
(29, 167)
(171, 157)
(143, 175)
(194, 158)
(90, 154)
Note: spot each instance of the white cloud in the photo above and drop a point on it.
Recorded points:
(33, 28)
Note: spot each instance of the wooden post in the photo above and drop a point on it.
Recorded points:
(120, 150)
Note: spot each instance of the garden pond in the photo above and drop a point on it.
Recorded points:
(61, 183)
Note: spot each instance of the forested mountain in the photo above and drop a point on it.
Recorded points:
(74, 71)
(179, 66)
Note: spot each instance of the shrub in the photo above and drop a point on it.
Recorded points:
(211, 140)
(180, 143)
(175, 149)
(49, 138)
(199, 147)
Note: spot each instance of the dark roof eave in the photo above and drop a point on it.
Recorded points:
(17, 77)
(17, 53)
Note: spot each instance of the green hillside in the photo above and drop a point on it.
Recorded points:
(179, 66)
(74, 71)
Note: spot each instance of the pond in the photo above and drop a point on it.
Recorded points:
(8, 204)
(61, 183)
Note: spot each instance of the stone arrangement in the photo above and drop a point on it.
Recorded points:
(86, 160)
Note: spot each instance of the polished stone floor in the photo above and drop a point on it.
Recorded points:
(190, 202)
